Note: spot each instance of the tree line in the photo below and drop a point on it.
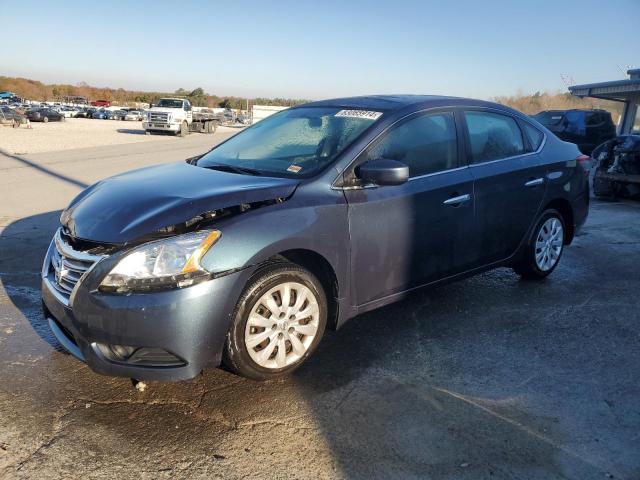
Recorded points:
(35, 90)
(539, 101)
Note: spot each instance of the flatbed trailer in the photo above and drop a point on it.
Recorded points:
(204, 122)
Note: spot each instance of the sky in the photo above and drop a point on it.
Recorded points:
(322, 49)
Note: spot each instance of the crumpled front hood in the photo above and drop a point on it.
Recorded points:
(131, 205)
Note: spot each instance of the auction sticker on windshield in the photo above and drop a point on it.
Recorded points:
(368, 114)
(294, 168)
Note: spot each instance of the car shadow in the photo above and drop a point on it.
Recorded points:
(131, 131)
(24, 244)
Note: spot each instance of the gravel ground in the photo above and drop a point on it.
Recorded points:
(77, 133)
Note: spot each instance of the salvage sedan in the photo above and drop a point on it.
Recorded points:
(243, 256)
(44, 115)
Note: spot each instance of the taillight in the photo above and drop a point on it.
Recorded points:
(585, 162)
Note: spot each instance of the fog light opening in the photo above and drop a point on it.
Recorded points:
(116, 352)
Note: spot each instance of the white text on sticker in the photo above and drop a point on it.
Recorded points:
(366, 114)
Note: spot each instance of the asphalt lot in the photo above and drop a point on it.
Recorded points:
(491, 377)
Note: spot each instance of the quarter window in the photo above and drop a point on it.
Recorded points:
(534, 136)
(493, 136)
(426, 144)
(635, 128)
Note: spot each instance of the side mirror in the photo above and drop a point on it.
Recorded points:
(383, 172)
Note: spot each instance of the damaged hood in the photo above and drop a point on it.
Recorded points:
(126, 207)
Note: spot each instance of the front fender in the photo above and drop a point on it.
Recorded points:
(248, 239)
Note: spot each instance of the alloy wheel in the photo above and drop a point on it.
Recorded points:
(549, 244)
(282, 325)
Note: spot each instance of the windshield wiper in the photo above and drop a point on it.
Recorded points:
(232, 169)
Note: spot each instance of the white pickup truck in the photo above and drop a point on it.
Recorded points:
(176, 115)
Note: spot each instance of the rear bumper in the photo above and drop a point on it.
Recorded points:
(189, 323)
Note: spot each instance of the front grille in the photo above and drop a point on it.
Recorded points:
(158, 117)
(67, 266)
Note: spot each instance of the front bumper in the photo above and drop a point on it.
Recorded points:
(167, 127)
(189, 323)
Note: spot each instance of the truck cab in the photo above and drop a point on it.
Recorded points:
(170, 115)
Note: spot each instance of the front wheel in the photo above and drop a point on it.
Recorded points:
(278, 322)
(184, 129)
(544, 248)
(45, 119)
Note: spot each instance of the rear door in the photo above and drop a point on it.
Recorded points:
(411, 234)
(509, 181)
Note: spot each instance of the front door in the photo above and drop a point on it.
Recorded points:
(407, 235)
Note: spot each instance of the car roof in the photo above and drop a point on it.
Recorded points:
(401, 102)
(588, 110)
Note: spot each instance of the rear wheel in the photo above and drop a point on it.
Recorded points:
(278, 322)
(45, 119)
(544, 248)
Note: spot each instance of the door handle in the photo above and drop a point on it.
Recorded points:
(457, 200)
(534, 182)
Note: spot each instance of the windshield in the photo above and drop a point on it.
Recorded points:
(169, 103)
(298, 142)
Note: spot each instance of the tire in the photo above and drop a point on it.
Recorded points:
(45, 119)
(272, 329)
(184, 129)
(544, 248)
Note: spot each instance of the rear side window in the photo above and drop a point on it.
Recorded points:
(493, 136)
(426, 144)
(534, 136)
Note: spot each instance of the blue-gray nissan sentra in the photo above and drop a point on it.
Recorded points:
(243, 256)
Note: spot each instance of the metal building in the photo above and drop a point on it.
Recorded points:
(627, 91)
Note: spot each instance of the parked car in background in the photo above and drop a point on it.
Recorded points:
(134, 115)
(68, 112)
(81, 113)
(246, 254)
(44, 115)
(116, 114)
(585, 128)
(100, 114)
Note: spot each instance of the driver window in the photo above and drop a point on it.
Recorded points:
(426, 144)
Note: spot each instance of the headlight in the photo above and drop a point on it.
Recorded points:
(169, 263)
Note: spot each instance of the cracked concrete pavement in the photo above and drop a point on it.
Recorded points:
(490, 377)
